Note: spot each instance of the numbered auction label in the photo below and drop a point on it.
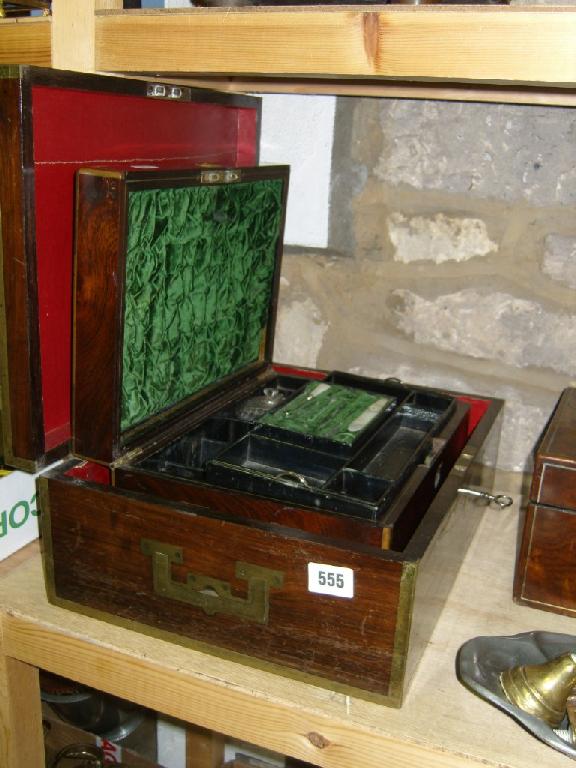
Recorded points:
(330, 580)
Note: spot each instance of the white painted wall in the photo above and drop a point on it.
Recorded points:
(298, 131)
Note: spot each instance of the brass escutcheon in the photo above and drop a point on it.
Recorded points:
(210, 594)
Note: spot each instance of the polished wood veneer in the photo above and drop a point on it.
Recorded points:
(545, 567)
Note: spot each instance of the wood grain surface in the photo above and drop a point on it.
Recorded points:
(95, 537)
(20, 355)
(26, 41)
(340, 527)
(545, 571)
(99, 278)
(544, 575)
(487, 44)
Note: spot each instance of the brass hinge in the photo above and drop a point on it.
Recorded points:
(215, 176)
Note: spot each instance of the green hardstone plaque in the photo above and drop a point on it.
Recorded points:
(330, 411)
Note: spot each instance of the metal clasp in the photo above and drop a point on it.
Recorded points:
(500, 499)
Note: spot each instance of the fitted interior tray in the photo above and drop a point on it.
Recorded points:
(233, 450)
(267, 467)
(189, 455)
(405, 438)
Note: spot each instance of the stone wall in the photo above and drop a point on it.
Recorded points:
(454, 256)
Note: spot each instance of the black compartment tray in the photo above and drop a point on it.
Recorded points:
(188, 455)
(266, 467)
(232, 451)
(405, 439)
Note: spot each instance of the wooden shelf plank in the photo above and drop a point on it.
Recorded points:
(483, 44)
(26, 41)
(393, 89)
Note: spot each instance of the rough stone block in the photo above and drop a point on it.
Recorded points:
(495, 151)
(438, 239)
(300, 331)
(560, 259)
(495, 326)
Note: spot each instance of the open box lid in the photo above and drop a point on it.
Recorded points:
(53, 122)
(177, 276)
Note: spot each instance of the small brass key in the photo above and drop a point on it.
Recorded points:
(500, 500)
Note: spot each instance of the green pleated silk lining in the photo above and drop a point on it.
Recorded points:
(199, 275)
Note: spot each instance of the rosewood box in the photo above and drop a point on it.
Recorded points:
(545, 569)
(52, 123)
(296, 520)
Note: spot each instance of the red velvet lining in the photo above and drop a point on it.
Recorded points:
(89, 470)
(307, 373)
(73, 129)
(477, 410)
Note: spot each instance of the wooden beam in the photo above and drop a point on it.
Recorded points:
(507, 94)
(26, 41)
(480, 44)
(73, 26)
(21, 743)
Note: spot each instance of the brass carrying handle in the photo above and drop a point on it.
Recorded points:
(210, 594)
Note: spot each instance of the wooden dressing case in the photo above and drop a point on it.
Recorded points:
(296, 520)
(544, 575)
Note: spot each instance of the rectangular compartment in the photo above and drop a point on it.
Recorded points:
(252, 462)
(360, 484)
(273, 460)
(189, 455)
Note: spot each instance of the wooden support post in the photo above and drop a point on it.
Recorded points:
(204, 749)
(21, 742)
(73, 32)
